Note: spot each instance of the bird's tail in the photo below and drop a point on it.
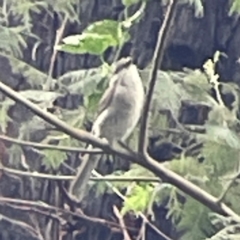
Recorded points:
(78, 185)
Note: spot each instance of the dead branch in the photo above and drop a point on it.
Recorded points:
(157, 60)
(121, 222)
(167, 175)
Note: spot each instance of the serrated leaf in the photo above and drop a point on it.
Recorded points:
(221, 135)
(93, 100)
(235, 7)
(220, 115)
(195, 85)
(12, 40)
(100, 188)
(187, 166)
(33, 76)
(135, 170)
(167, 94)
(163, 192)
(40, 96)
(107, 27)
(14, 153)
(67, 8)
(95, 39)
(53, 158)
(4, 118)
(91, 43)
(222, 158)
(83, 81)
(195, 221)
(138, 200)
(69, 141)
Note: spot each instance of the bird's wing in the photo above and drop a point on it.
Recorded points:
(114, 81)
(108, 95)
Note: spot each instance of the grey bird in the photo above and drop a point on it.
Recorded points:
(119, 112)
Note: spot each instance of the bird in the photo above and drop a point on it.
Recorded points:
(119, 112)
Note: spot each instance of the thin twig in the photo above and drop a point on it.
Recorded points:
(156, 229)
(59, 34)
(44, 206)
(226, 190)
(49, 146)
(145, 161)
(69, 177)
(119, 194)
(35, 210)
(163, 36)
(20, 227)
(121, 222)
(35, 223)
(142, 231)
(230, 184)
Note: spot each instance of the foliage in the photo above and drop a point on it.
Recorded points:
(101, 35)
(220, 141)
(138, 199)
(14, 34)
(220, 150)
(96, 38)
(235, 7)
(53, 159)
(227, 226)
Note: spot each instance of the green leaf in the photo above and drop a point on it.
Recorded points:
(221, 158)
(53, 158)
(33, 76)
(91, 43)
(101, 188)
(15, 154)
(12, 40)
(226, 226)
(135, 170)
(187, 166)
(83, 81)
(4, 118)
(67, 8)
(167, 94)
(69, 141)
(138, 199)
(221, 135)
(95, 39)
(92, 101)
(107, 27)
(195, 222)
(235, 7)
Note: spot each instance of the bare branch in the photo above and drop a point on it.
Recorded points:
(229, 185)
(59, 34)
(167, 175)
(144, 218)
(142, 231)
(51, 209)
(160, 233)
(69, 177)
(49, 146)
(35, 210)
(157, 60)
(22, 228)
(121, 222)
(52, 119)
